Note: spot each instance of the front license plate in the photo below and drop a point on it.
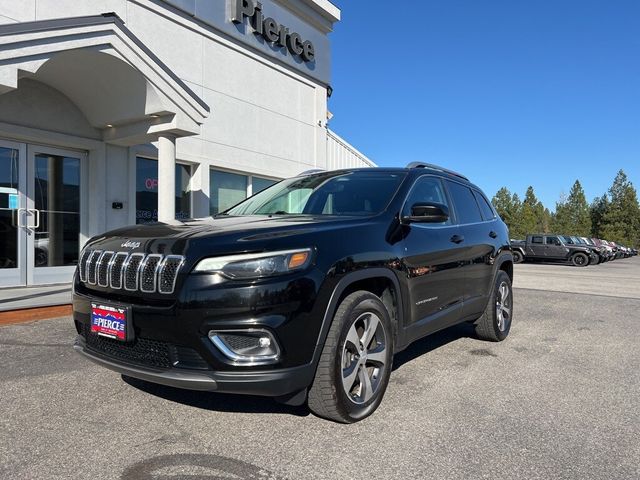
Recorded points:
(109, 321)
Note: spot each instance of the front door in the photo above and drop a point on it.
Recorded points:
(40, 214)
(433, 260)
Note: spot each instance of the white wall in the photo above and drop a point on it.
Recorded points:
(266, 119)
(264, 116)
(341, 154)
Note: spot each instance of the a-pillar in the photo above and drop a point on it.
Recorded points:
(166, 178)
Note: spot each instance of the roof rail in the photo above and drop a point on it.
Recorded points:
(310, 172)
(436, 167)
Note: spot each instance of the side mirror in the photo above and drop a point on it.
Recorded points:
(427, 213)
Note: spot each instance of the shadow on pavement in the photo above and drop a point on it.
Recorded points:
(221, 402)
(226, 402)
(433, 342)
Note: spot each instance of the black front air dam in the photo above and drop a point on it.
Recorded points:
(272, 383)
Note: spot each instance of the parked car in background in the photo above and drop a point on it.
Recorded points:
(595, 252)
(551, 248)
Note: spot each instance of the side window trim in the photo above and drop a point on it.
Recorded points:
(453, 204)
(477, 193)
(445, 191)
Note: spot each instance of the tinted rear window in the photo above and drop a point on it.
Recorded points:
(464, 201)
(485, 208)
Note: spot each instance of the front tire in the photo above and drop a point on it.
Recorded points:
(495, 323)
(579, 260)
(355, 365)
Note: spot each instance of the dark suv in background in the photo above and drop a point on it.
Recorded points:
(303, 292)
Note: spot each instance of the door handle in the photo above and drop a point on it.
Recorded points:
(36, 224)
(19, 216)
(457, 239)
(493, 234)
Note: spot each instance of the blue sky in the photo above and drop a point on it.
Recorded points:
(509, 92)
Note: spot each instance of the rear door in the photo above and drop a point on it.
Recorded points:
(479, 235)
(554, 248)
(433, 261)
(535, 246)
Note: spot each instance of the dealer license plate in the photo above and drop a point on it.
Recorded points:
(109, 321)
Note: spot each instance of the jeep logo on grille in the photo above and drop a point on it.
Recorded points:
(130, 244)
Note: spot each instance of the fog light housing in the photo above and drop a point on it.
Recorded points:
(248, 347)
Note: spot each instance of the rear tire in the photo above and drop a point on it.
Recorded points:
(355, 365)
(579, 260)
(495, 323)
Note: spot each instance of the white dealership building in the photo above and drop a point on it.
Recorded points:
(107, 106)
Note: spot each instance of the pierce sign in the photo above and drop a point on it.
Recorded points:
(272, 31)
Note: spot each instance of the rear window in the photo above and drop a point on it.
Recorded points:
(464, 201)
(485, 207)
(536, 239)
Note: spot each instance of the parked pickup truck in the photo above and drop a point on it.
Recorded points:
(551, 248)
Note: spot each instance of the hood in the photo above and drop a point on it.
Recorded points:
(227, 234)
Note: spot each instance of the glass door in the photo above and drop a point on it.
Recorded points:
(54, 219)
(13, 214)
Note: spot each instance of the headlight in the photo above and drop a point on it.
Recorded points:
(256, 265)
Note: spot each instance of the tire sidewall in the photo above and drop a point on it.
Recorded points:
(581, 255)
(369, 303)
(500, 277)
(517, 257)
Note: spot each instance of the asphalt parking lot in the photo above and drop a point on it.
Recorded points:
(560, 398)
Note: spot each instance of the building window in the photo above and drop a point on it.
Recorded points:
(147, 190)
(226, 189)
(258, 184)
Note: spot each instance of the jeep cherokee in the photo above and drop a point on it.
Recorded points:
(303, 292)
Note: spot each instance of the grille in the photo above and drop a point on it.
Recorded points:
(103, 267)
(115, 270)
(142, 351)
(131, 272)
(145, 352)
(149, 270)
(240, 342)
(169, 273)
(92, 266)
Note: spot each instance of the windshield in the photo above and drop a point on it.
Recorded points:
(568, 240)
(333, 193)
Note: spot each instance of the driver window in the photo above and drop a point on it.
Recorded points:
(553, 241)
(426, 190)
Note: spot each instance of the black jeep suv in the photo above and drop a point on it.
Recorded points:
(304, 291)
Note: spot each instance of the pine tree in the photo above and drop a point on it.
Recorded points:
(598, 210)
(621, 221)
(572, 215)
(509, 208)
(532, 215)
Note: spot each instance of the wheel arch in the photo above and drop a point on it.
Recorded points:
(382, 282)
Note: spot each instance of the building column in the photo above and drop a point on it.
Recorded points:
(166, 178)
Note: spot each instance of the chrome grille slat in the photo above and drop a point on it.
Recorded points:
(149, 272)
(169, 273)
(82, 265)
(115, 269)
(130, 271)
(102, 269)
(92, 266)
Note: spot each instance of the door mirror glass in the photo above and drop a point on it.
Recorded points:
(427, 213)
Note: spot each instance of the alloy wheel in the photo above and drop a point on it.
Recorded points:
(364, 358)
(503, 306)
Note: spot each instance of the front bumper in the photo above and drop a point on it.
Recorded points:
(171, 346)
(273, 383)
